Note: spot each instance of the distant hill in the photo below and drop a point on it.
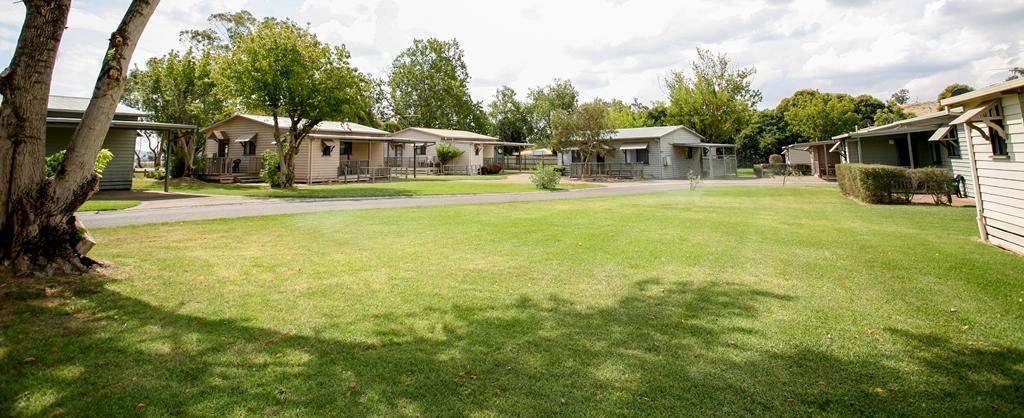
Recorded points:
(921, 108)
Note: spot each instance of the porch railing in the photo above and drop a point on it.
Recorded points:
(514, 162)
(616, 170)
(348, 168)
(233, 165)
(719, 166)
(407, 162)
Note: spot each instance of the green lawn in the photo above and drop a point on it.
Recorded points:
(429, 185)
(725, 301)
(102, 205)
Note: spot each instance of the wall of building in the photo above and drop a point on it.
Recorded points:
(1002, 180)
(120, 142)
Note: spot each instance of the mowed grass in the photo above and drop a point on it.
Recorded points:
(432, 185)
(104, 205)
(726, 301)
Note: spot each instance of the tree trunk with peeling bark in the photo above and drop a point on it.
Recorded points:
(38, 230)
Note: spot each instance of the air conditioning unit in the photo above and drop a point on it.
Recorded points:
(666, 160)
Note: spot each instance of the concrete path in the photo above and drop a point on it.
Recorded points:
(263, 207)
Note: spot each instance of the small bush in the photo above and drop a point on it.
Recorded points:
(776, 159)
(447, 153)
(271, 165)
(937, 182)
(888, 184)
(491, 169)
(800, 169)
(546, 177)
(102, 159)
(758, 170)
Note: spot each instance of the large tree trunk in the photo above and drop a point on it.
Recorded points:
(38, 231)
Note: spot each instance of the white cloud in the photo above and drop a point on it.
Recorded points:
(615, 48)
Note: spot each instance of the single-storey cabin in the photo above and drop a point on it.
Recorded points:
(910, 143)
(333, 151)
(821, 155)
(64, 114)
(991, 136)
(662, 152)
(477, 149)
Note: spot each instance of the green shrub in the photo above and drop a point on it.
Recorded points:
(937, 182)
(776, 159)
(446, 153)
(491, 169)
(872, 183)
(758, 170)
(546, 177)
(271, 165)
(102, 159)
(800, 169)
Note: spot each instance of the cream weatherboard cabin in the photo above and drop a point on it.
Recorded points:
(991, 129)
(477, 150)
(660, 152)
(331, 152)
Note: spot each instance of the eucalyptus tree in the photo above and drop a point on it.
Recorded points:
(585, 129)
(179, 88)
(282, 69)
(429, 87)
(38, 230)
(510, 118)
(714, 99)
(545, 101)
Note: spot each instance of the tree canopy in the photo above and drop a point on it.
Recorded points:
(510, 117)
(901, 96)
(282, 69)
(178, 88)
(545, 101)
(766, 134)
(429, 87)
(585, 128)
(819, 116)
(715, 100)
(951, 90)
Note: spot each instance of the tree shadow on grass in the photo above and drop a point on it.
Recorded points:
(662, 349)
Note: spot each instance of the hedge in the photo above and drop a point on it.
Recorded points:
(872, 183)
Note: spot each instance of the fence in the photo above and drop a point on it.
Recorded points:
(616, 170)
(719, 166)
(233, 165)
(517, 162)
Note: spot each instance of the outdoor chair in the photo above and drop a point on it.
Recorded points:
(960, 186)
(236, 165)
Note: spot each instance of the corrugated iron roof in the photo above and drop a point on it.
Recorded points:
(78, 104)
(325, 126)
(454, 134)
(645, 133)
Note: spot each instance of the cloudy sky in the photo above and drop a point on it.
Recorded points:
(613, 48)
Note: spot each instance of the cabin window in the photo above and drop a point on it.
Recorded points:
(420, 149)
(249, 147)
(952, 143)
(640, 156)
(326, 150)
(476, 149)
(689, 153)
(998, 143)
(346, 148)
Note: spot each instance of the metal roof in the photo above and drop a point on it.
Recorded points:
(983, 92)
(324, 126)
(452, 134)
(79, 104)
(923, 123)
(654, 132)
(132, 124)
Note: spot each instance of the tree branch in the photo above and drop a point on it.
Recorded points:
(88, 137)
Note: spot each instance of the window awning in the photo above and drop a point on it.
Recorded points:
(973, 113)
(940, 134)
(246, 138)
(219, 135)
(633, 145)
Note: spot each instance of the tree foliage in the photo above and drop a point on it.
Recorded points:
(224, 29)
(623, 115)
(901, 97)
(951, 90)
(429, 87)
(510, 117)
(818, 116)
(715, 100)
(892, 112)
(1015, 73)
(179, 88)
(283, 70)
(766, 134)
(545, 101)
(447, 153)
(866, 106)
(586, 129)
